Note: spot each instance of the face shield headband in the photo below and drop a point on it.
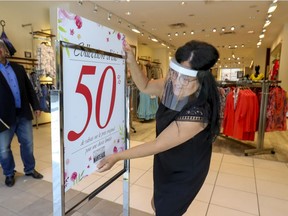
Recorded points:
(178, 89)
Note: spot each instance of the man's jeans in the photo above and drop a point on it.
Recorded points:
(24, 132)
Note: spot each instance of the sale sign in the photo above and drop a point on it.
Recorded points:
(93, 94)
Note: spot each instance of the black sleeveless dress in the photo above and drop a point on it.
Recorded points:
(179, 173)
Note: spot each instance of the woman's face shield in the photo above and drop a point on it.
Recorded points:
(178, 88)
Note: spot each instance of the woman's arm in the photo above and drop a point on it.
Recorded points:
(175, 134)
(151, 87)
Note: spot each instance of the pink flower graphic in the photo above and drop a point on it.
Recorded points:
(119, 36)
(73, 176)
(63, 13)
(115, 150)
(71, 31)
(78, 21)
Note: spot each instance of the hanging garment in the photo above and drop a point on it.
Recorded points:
(148, 106)
(273, 73)
(34, 78)
(276, 110)
(8, 44)
(45, 99)
(241, 114)
(46, 60)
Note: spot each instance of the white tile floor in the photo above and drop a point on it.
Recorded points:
(235, 186)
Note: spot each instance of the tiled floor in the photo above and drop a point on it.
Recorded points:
(236, 185)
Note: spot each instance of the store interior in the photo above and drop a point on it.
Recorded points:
(246, 177)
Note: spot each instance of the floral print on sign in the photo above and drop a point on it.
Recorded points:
(64, 18)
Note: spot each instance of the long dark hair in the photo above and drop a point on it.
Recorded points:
(202, 57)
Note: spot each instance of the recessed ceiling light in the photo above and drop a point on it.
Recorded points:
(128, 13)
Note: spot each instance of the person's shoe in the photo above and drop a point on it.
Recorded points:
(9, 181)
(35, 174)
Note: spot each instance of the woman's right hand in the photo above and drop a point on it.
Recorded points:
(130, 56)
(106, 163)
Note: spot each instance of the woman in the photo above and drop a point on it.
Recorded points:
(187, 122)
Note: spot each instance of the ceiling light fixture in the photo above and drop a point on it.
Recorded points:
(272, 8)
(109, 16)
(95, 8)
(214, 30)
(135, 30)
(80, 2)
(192, 33)
(267, 23)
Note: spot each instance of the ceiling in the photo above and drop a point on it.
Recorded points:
(160, 18)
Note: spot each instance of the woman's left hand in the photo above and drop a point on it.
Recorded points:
(106, 163)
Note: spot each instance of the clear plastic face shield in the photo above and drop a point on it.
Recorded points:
(178, 90)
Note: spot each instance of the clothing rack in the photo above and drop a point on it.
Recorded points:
(265, 84)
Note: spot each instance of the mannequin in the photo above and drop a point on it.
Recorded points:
(257, 75)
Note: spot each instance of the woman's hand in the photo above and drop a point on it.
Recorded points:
(130, 56)
(107, 163)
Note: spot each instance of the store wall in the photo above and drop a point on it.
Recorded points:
(162, 54)
(259, 59)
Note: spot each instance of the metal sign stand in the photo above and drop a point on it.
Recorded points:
(58, 155)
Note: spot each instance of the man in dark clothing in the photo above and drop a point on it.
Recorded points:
(16, 96)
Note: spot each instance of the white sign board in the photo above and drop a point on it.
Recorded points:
(93, 85)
